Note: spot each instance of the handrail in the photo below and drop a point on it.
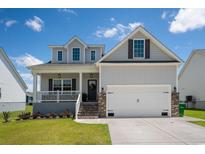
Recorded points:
(77, 107)
(57, 96)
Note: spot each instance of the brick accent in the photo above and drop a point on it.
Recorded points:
(175, 104)
(102, 104)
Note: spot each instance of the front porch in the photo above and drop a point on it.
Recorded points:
(65, 87)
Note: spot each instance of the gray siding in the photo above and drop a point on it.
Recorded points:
(75, 44)
(46, 77)
(98, 54)
(134, 75)
(55, 55)
(86, 77)
(121, 54)
(68, 53)
(45, 108)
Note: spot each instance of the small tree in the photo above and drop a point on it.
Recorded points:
(6, 116)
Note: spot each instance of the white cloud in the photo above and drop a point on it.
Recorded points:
(35, 24)
(70, 11)
(164, 15)
(187, 20)
(26, 60)
(168, 14)
(119, 30)
(112, 19)
(10, 23)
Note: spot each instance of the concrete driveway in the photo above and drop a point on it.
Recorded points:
(153, 130)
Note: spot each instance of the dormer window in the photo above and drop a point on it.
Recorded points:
(139, 48)
(92, 54)
(76, 54)
(60, 56)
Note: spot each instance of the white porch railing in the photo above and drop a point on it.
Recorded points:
(77, 106)
(57, 96)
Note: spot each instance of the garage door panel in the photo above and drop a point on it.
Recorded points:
(138, 101)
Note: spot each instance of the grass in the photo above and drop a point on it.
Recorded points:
(55, 131)
(196, 114)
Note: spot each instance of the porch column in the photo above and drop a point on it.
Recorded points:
(80, 85)
(34, 87)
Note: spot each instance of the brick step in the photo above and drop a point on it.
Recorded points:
(88, 113)
(87, 117)
(87, 110)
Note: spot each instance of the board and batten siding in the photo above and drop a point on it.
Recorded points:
(121, 54)
(135, 75)
(192, 82)
(75, 44)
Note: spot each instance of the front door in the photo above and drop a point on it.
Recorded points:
(92, 90)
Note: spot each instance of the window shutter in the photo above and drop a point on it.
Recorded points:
(147, 49)
(73, 84)
(130, 49)
(50, 84)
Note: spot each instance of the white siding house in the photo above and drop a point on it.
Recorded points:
(138, 75)
(192, 79)
(12, 86)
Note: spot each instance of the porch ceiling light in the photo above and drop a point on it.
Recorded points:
(91, 75)
(59, 75)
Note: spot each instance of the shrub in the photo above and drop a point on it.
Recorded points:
(25, 115)
(6, 116)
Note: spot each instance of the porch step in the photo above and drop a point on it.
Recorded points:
(87, 117)
(88, 111)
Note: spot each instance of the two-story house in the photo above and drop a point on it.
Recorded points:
(138, 76)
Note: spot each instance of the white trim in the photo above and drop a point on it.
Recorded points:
(133, 52)
(84, 56)
(141, 85)
(100, 86)
(138, 64)
(187, 62)
(57, 55)
(91, 55)
(62, 79)
(79, 55)
(13, 70)
(75, 38)
(147, 34)
(177, 81)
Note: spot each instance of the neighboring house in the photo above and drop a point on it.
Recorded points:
(12, 86)
(192, 80)
(138, 76)
(29, 97)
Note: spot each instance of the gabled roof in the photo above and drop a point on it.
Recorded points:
(80, 40)
(196, 51)
(147, 34)
(75, 38)
(13, 70)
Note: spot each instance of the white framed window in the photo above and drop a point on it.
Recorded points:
(139, 48)
(76, 54)
(92, 55)
(62, 85)
(60, 55)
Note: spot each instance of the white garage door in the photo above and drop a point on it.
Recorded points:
(138, 100)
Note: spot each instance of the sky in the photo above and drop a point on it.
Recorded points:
(26, 33)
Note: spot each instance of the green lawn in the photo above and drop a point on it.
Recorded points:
(196, 114)
(56, 131)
